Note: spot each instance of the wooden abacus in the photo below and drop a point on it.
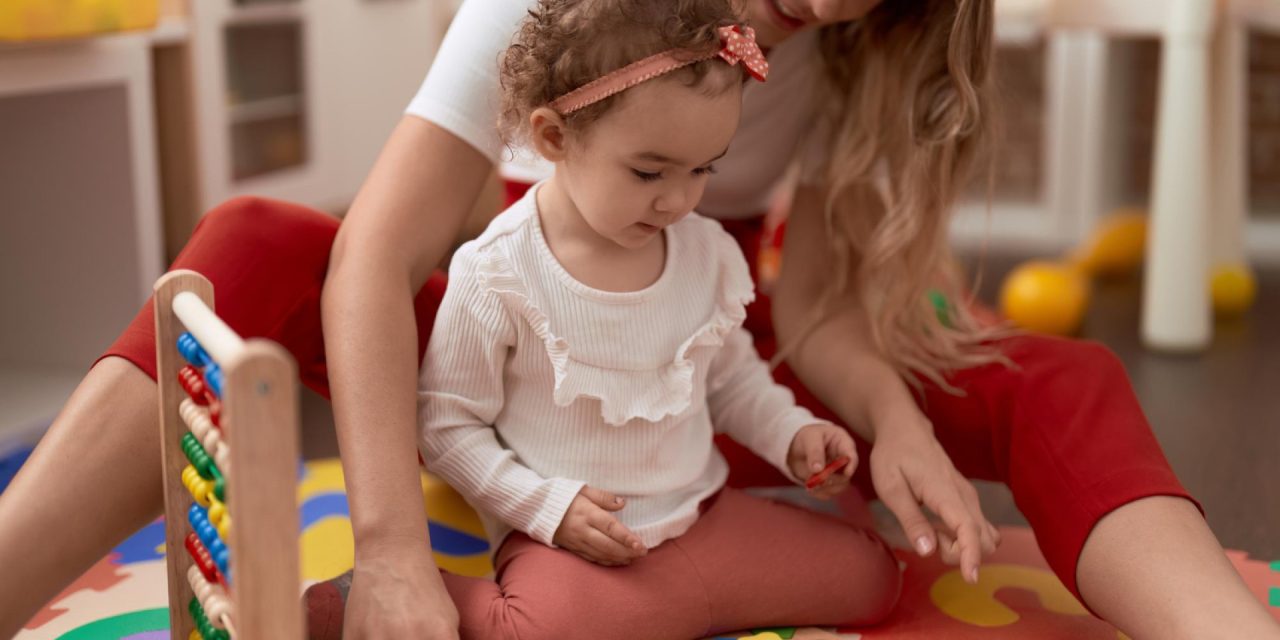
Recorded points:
(229, 437)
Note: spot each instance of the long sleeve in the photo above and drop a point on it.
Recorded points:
(749, 406)
(461, 395)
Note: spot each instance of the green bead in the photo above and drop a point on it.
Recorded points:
(220, 488)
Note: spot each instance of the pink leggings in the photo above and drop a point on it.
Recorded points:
(747, 563)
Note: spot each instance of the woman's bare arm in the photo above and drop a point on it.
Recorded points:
(404, 219)
(838, 362)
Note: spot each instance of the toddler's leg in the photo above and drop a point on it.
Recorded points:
(768, 564)
(545, 593)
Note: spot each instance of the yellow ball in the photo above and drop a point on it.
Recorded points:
(1046, 297)
(1117, 246)
(1233, 289)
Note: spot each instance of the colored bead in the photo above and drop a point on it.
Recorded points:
(195, 635)
(191, 350)
(193, 383)
(216, 512)
(201, 558)
(220, 488)
(224, 528)
(213, 376)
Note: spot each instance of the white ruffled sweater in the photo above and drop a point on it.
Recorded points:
(535, 384)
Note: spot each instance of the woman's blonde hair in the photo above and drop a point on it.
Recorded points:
(908, 107)
(564, 44)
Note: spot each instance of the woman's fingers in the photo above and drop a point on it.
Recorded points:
(896, 495)
(968, 539)
(988, 536)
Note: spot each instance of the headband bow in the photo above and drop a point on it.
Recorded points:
(740, 46)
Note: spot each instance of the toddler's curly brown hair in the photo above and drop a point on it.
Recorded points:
(565, 44)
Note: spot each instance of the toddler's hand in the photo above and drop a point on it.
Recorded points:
(813, 448)
(592, 532)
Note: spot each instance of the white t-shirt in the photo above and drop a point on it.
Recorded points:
(544, 384)
(461, 94)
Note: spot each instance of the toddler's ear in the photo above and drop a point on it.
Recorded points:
(548, 133)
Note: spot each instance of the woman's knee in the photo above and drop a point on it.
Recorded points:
(288, 232)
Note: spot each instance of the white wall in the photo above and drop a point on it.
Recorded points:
(378, 52)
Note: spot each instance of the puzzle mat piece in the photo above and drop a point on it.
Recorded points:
(1017, 596)
(142, 587)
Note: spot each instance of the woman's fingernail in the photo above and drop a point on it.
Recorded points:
(924, 545)
(973, 576)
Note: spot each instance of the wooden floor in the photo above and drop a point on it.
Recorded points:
(1217, 415)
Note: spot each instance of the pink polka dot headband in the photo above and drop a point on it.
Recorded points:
(738, 44)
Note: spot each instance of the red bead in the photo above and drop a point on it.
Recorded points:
(193, 383)
(201, 557)
(215, 411)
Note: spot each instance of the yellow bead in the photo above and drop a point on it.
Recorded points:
(224, 530)
(195, 635)
(1045, 297)
(216, 511)
(1233, 289)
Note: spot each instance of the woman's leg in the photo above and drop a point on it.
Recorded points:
(267, 261)
(1153, 568)
(54, 523)
(746, 563)
(1065, 431)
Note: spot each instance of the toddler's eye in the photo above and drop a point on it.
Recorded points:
(647, 177)
(703, 171)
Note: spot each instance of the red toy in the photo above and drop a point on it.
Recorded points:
(821, 476)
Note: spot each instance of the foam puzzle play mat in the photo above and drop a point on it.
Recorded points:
(124, 595)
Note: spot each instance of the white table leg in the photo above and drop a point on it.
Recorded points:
(1175, 313)
(1229, 186)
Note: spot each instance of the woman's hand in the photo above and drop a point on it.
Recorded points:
(909, 468)
(398, 593)
(590, 530)
(813, 448)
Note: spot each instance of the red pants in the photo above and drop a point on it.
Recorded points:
(1063, 430)
(805, 568)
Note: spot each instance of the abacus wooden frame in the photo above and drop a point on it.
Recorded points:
(260, 424)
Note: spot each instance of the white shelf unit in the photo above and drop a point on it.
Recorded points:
(293, 99)
(81, 241)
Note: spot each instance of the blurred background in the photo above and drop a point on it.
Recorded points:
(1123, 121)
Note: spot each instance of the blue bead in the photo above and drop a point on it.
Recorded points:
(213, 377)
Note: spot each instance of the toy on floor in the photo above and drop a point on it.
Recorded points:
(229, 429)
(1048, 297)
(1233, 289)
(1052, 296)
